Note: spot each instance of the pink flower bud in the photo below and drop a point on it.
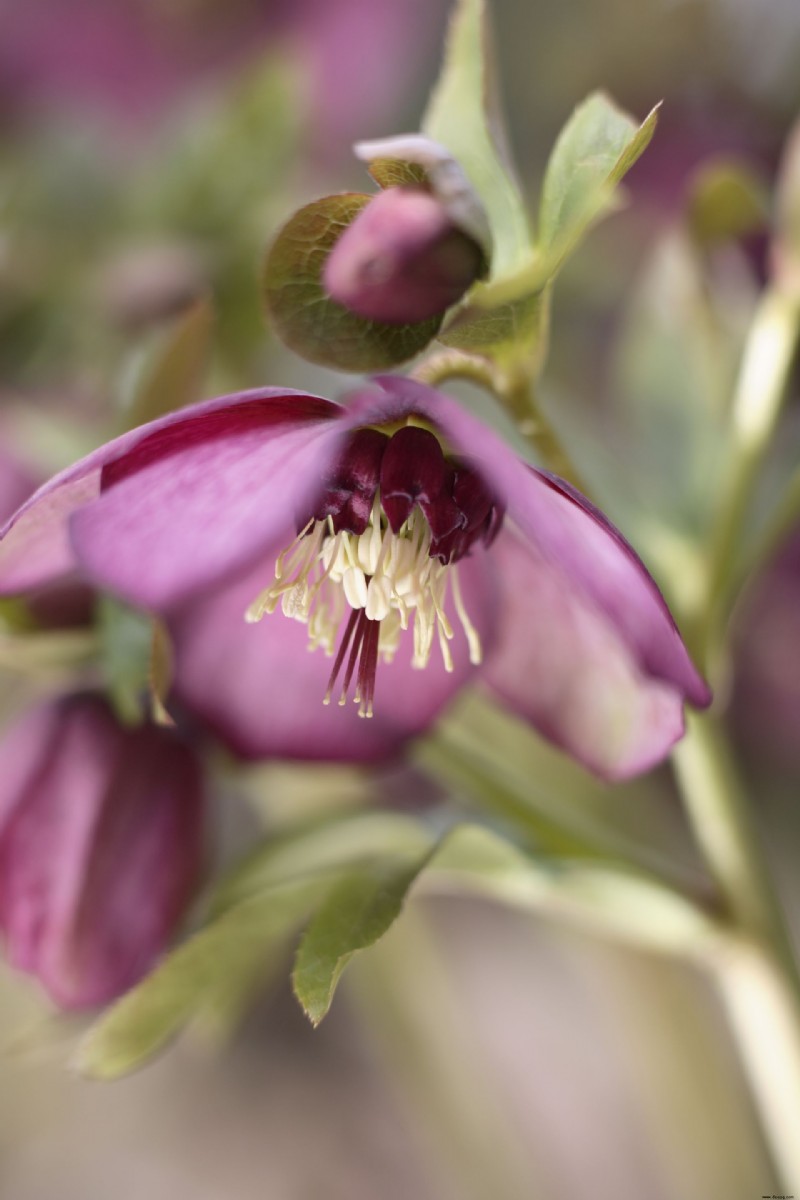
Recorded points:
(402, 260)
(101, 847)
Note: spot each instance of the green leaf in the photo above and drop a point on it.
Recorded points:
(462, 115)
(202, 976)
(595, 149)
(319, 847)
(358, 911)
(307, 319)
(126, 639)
(172, 373)
(674, 365)
(727, 200)
(604, 899)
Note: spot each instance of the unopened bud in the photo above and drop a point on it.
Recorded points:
(101, 847)
(402, 260)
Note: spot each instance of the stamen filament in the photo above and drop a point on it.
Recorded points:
(388, 581)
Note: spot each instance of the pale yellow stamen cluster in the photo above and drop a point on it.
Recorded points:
(323, 574)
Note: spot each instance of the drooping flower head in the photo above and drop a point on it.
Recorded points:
(404, 542)
(101, 847)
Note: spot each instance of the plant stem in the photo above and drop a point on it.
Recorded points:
(763, 1015)
(757, 403)
(521, 402)
(515, 393)
(758, 979)
(456, 364)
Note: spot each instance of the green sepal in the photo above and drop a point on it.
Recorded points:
(125, 639)
(393, 172)
(307, 319)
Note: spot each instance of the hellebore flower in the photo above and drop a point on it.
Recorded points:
(410, 545)
(101, 846)
(403, 259)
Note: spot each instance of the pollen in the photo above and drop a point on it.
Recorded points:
(359, 592)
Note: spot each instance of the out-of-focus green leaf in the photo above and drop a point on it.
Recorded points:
(308, 320)
(322, 846)
(171, 375)
(358, 911)
(674, 367)
(727, 200)
(125, 638)
(619, 903)
(463, 115)
(206, 974)
(595, 149)
(393, 172)
(214, 173)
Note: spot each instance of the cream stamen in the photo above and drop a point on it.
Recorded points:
(382, 582)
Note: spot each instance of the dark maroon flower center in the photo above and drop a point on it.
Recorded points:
(410, 469)
(378, 552)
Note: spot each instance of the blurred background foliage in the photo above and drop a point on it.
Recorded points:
(148, 150)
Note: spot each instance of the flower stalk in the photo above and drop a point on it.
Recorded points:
(759, 982)
(515, 392)
(756, 407)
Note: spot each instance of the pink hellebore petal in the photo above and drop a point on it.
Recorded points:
(101, 847)
(362, 523)
(402, 260)
(175, 505)
(260, 690)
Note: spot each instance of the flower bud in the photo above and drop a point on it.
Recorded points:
(101, 847)
(402, 259)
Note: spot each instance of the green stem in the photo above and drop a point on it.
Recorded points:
(456, 364)
(759, 979)
(472, 770)
(723, 826)
(515, 393)
(409, 1007)
(756, 407)
(763, 1016)
(520, 400)
(781, 522)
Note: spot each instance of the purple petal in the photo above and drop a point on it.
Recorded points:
(100, 847)
(260, 689)
(35, 544)
(402, 259)
(597, 565)
(562, 664)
